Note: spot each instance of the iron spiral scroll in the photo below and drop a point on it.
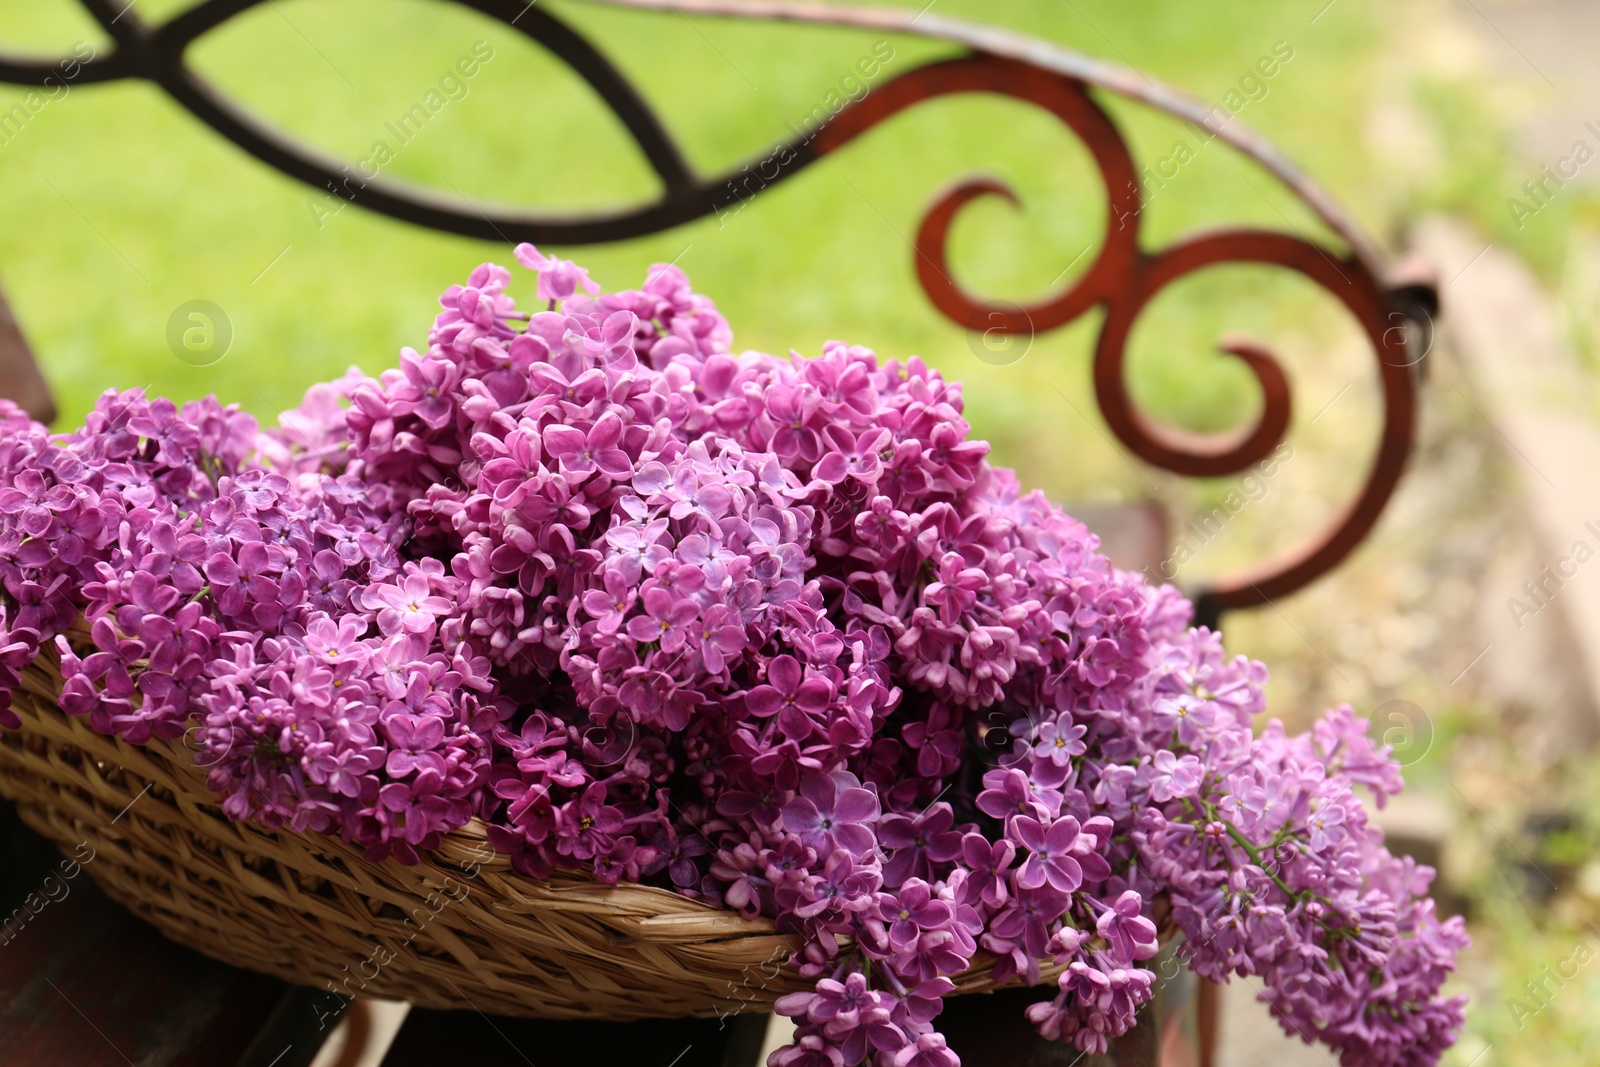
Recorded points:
(1396, 315)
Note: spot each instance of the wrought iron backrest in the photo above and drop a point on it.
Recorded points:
(1396, 315)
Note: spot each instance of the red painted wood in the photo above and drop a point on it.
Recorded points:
(20, 379)
(85, 984)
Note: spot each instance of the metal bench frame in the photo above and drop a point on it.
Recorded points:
(1395, 313)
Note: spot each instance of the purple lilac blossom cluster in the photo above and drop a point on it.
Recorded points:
(771, 632)
(265, 614)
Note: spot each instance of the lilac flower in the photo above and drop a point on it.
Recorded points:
(720, 637)
(787, 688)
(913, 911)
(667, 620)
(1059, 742)
(414, 740)
(583, 453)
(927, 1051)
(1326, 823)
(1130, 935)
(559, 279)
(428, 384)
(833, 811)
(917, 843)
(833, 1002)
(808, 1050)
(1174, 777)
(1051, 860)
(410, 606)
(610, 606)
(1027, 920)
(1008, 793)
(988, 863)
(585, 828)
(844, 886)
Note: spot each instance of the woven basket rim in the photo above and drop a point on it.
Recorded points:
(463, 848)
(566, 946)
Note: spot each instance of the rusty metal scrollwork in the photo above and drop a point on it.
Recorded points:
(1123, 278)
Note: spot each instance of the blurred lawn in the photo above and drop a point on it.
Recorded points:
(119, 206)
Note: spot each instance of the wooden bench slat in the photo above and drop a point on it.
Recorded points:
(84, 983)
(20, 379)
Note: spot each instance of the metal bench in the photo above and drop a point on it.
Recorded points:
(1394, 310)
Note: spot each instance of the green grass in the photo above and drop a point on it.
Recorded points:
(120, 206)
(1533, 972)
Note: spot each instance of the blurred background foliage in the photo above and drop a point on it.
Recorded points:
(117, 192)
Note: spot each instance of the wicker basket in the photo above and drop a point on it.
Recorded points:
(461, 930)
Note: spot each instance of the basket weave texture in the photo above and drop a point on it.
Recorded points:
(461, 930)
